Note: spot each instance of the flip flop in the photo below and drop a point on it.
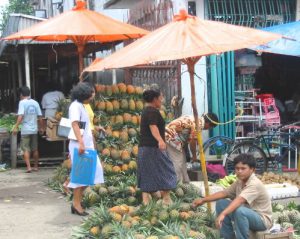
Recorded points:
(28, 171)
(35, 169)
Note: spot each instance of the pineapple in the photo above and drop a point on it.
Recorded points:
(184, 207)
(112, 189)
(139, 236)
(134, 119)
(132, 165)
(131, 105)
(179, 192)
(197, 235)
(109, 107)
(174, 214)
(116, 104)
(126, 118)
(95, 231)
(294, 216)
(116, 169)
(287, 225)
(135, 150)
(103, 191)
(108, 168)
(119, 119)
(139, 90)
(124, 167)
(116, 134)
(124, 137)
(126, 224)
(139, 105)
(122, 87)
(132, 132)
(125, 155)
(105, 152)
(115, 154)
(283, 218)
(116, 216)
(107, 230)
(163, 216)
(101, 105)
(124, 104)
(115, 89)
(130, 89)
(108, 90)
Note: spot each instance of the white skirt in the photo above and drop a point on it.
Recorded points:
(99, 177)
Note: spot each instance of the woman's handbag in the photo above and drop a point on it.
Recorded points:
(84, 167)
(65, 128)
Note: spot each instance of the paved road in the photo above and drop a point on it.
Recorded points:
(29, 209)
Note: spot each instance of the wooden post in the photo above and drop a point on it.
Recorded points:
(80, 60)
(27, 66)
(114, 71)
(191, 68)
(13, 150)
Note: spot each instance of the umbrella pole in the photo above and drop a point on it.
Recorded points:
(191, 68)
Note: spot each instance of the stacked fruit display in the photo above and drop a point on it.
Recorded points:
(270, 177)
(287, 216)
(118, 109)
(180, 220)
(116, 205)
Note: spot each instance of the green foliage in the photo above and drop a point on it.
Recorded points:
(15, 6)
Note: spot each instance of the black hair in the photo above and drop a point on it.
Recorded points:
(212, 119)
(52, 86)
(24, 91)
(150, 95)
(81, 92)
(245, 159)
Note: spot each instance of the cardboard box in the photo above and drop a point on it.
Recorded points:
(267, 235)
(51, 130)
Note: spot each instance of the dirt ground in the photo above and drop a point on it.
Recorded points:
(29, 209)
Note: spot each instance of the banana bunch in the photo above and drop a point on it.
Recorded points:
(227, 181)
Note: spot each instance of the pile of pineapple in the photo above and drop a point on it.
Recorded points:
(287, 216)
(117, 211)
(118, 108)
(123, 216)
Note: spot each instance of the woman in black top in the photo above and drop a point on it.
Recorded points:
(155, 169)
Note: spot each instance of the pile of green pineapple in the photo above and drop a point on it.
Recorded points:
(287, 216)
(117, 216)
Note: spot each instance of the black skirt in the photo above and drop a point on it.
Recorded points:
(155, 170)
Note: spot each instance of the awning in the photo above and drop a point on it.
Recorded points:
(289, 45)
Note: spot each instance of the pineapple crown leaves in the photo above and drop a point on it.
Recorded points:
(170, 228)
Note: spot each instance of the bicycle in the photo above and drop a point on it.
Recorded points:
(269, 150)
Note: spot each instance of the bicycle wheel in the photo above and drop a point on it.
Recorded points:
(247, 148)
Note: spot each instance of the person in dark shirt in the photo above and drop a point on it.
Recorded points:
(155, 171)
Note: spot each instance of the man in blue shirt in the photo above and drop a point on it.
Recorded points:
(29, 113)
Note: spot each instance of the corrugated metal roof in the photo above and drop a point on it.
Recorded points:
(18, 22)
(15, 23)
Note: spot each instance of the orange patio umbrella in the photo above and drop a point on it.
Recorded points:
(81, 26)
(186, 38)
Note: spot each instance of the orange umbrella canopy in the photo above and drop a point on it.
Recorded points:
(186, 36)
(80, 25)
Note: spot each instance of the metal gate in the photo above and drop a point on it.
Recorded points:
(151, 15)
(220, 70)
